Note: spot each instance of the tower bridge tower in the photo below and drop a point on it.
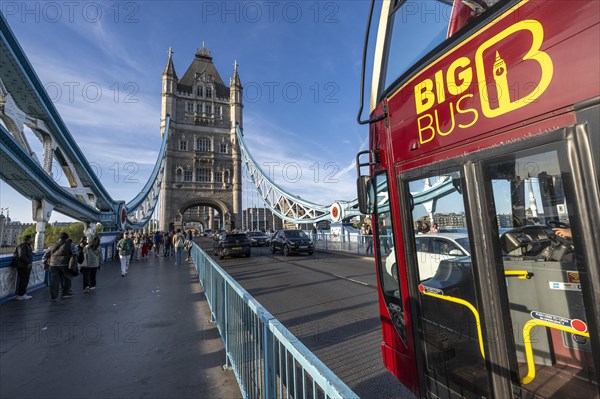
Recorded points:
(202, 182)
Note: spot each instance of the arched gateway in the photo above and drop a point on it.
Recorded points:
(202, 181)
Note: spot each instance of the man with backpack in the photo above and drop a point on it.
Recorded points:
(58, 257)
(125, 248)
(178, 243)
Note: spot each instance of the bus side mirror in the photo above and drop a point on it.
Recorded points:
(364, 188)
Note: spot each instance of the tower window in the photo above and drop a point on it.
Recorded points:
(182, 145)
(209, 92)
(187, 175)
(190, 107)
(203, 144)
(223, 148)
(203, 175)
(199, 91)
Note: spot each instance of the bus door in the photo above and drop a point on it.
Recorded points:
(439, 266)
(543, 271)
(524, 273)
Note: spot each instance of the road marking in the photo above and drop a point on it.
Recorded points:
(351, 279)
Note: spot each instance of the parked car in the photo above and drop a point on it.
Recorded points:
(431, 250)
(258, 238)
(231, 244)
(207, 233)
(291, 241)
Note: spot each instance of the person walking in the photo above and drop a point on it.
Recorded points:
(157, 241)
(167, 242)
(58, 257)
(187, 246)
(91, 263)
(178, 243)
(369, 238)
(125, 248)
(23, 261)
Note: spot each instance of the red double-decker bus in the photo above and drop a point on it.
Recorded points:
(483, 187)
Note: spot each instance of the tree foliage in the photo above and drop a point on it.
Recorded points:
(52, 234)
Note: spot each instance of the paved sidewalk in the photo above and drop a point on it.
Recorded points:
(145, 335)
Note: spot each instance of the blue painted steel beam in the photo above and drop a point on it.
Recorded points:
(32, 98)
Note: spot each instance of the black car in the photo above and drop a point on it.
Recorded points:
(231, 244)
(258, 239)
(291, 241)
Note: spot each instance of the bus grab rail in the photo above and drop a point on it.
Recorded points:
(437, 293)
(267, 359)
(530, 376)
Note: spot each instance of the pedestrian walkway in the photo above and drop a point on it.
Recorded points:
(145, 335)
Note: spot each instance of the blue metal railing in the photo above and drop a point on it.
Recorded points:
(268, 361)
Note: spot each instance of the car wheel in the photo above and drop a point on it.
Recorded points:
(286, 251)
(310, 253)
(249, 254)
(272, 249)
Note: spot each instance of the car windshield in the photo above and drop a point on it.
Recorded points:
(295, 234)
(234, 237)
(464, 242)
(256, 234)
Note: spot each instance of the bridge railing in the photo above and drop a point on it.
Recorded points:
(268, 361)
(351, 243)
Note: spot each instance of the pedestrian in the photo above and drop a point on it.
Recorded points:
(125, 247)
(58, 257)
(137, 246)
(167, 242)
(23, 261)
(369, 238)
(434, 229)
(178, 243)
(189, 241)
(314, 233)
(157, 242)
(91, 263)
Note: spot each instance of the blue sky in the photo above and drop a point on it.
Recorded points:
(299, 62)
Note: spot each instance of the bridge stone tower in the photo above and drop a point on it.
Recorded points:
(203, 167)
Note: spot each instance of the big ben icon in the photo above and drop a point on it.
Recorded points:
(501, 82)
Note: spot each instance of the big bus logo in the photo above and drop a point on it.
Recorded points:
(492, 80)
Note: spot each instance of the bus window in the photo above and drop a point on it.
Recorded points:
(449, 315)
(382, 227)
(414, 33)
(546, 305)
(418, 26)
(388, 271)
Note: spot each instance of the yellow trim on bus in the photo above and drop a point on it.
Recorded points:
(470, 307)
(529, 350)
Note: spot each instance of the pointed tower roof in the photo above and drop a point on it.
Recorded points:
(203, 65)
(235, 80)
(170, 68)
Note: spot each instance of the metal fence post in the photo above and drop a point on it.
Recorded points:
(270, 374)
